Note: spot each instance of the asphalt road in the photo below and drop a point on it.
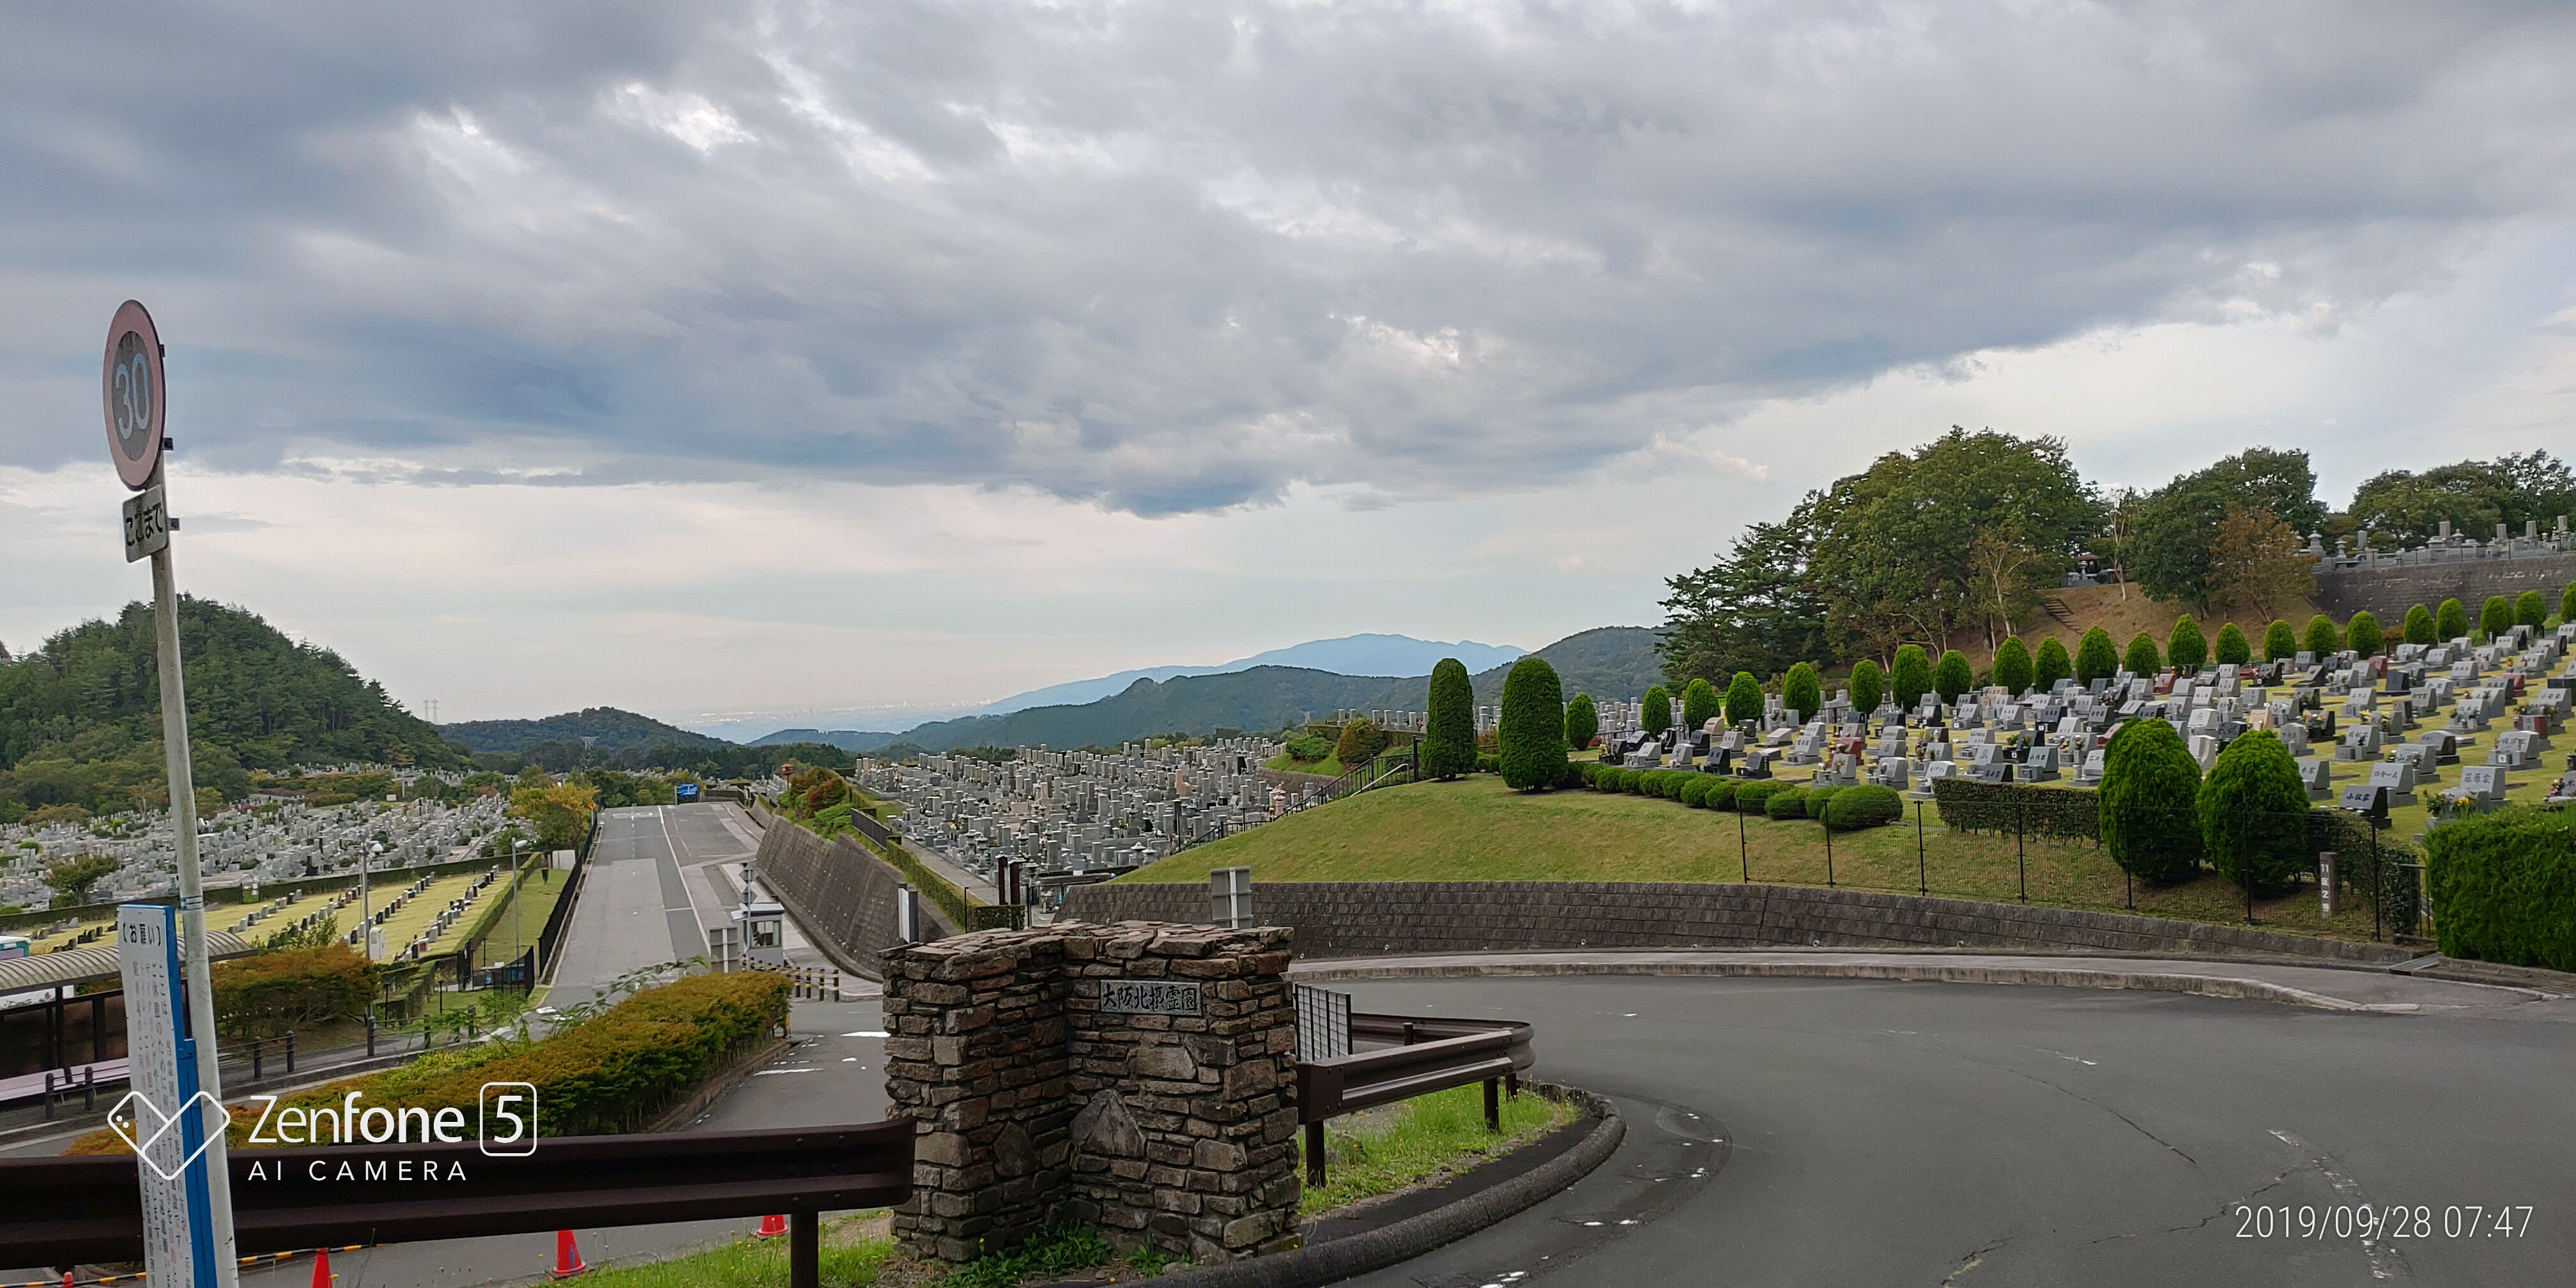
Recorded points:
(1825, 1132)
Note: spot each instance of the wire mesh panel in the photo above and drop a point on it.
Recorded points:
(1230, 897)
(1323, 1023)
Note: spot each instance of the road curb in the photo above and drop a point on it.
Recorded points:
(2226, 986)
(1358, 1254)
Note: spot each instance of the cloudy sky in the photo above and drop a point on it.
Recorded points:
(779, 359)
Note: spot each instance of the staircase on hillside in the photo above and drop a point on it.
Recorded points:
(2058, 612)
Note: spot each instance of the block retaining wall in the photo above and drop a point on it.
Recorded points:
(841, 895)
(2389, 592)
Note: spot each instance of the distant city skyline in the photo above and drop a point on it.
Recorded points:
(905, 357)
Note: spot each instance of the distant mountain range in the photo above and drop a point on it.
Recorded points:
(1376, 655)
(604, 727)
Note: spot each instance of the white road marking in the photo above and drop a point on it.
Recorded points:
(865, 1033)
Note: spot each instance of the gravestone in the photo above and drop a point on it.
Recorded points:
(2091, 772)
(2317, 776)
(2398, 777)
(2365, 799)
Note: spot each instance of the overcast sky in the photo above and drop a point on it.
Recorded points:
(818, 360)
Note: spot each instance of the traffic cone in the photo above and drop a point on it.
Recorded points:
(772, 1227)
(321, 1268)
(568, 1260)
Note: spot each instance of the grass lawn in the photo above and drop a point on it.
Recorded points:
(1329, 766)
(1475, 829)
(1380, 1151)
(854, 1250)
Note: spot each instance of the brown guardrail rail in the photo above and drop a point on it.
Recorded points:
(1431, 1054)
(66, 1210)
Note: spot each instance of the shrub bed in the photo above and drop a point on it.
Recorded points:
(1753, 794)
(1869, 805)
(268, 994)
(1967, 806)
(1817, 798)
(1788, 802)
(2504, 887)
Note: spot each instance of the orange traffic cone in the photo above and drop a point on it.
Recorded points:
(568, 1260)
(321, 1268)
(772, 1227)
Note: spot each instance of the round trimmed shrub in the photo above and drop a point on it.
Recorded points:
(1670, 788)
(1695, 792)
(1633, 781)
(1449, 722)
(1801, 693)
(1912, 676)
(2051, 666)
(2148, 802)
(2185, 646)
(1655, 710)
(2143, 659)
(2496, 617)
(1699, 704)
(2254, 812)
(1532, 738)
(1487, 763)
(1752, 796)
(2012, 665)
(1720, 793)
(2451, 620)
(2280, 643)
(1818, 798)
(1582, 722)
(1952, 677)
(1868, 805)
(2324, 639)
(2096, 658)
(1868, 687)
(1787, 803)
(2419, 626)
(2231, 648)
(2529, 609)
(2362, 634)
(1743, 699)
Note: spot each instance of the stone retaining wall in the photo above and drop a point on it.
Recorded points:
(841, 895)
(1039, 1098)
(2388, 593)
(1363, 918)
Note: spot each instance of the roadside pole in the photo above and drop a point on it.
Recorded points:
(133, 392)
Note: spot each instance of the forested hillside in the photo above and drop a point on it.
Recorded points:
(80, 718)
(604, 727)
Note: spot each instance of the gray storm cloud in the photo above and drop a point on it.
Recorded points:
(1181, 256)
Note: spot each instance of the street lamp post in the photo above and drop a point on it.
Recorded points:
(366, 914)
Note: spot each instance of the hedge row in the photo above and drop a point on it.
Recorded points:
(1858, 807)
(267, 994)
(1966, 805)
(2504, 887)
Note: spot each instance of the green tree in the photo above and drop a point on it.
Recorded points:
(2451, 620)
(2185, 646)
(2362, 634)
(2254, 812)
(2419, 626)
(1952, 677)
(2324, 639)
(1912, 677)
(1756, 608)
(2170, 547)
(2051, 666)
(1449, 721)
(1360, 743)
(1743, 699)
(1868, 687)
(2476, 495)
(2232, 648)
(2012, 665)
(72, 878)
(2529, 609)
(1801, 693)
(2495, 617)
(2095, 657)
(1532, 738)
(2143, 659)
(2567, 604)
(1582, 723)
(2280, 643)
(1699, 704)
(1656, 710)
(2146, 806)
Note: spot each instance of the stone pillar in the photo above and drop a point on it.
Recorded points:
(1139, 1077)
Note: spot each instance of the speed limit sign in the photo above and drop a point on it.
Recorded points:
(130, 384)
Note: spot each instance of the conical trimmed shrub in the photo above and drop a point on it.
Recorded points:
(2012, 666)
(1532, 739)
(2254, 812)
(2184, 647)
(2231, 648)
(1952, 677)
(2324, 638)
(1912, 676)
(2051, 666)
(2143, 659)
(2148, 806)
(2451, 620)
(2280, 643)
(1582, 723)
(1699, 705)
(2419, 625)
(2529, 609)
(1655, 712)
(2362, 634)
(1868, 687)
(1743, 699)
(2496, 617)
(2096, 658)
(1801, 693)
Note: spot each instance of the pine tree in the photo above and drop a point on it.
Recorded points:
(2143, 658)
(2095, 657)
(2012, 665)
(2231, 647)
(1532, 738)
(1801, 693)
(2362, 634)
(2419, 626)
(2146, 807)
(2254, 812)
(2280, 643)
(1655, 711)
(1449, 722)
(1699, 704)
(2051, 666)
(1952, 677)
(1582, 723)
(2451, 620)
(2324, 640)
(1743, 699)
(2185, 647)
(1912, 677)
(1868, 687)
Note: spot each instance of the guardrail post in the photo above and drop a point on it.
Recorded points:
(1314, 1154)
(255, 1070)
(1493, 1104)
(89, 1090)
(804, 1250)
(290, 1051)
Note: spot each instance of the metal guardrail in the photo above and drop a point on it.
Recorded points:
(67, 1210)
(1431, 1054)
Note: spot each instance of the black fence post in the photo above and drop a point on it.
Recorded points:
(1743, 848)
(2378, 880)
(1829, 854)
(2021, 859)
(2244, 868)
(1922, 870)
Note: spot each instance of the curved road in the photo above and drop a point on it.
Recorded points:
(1834, 1132)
